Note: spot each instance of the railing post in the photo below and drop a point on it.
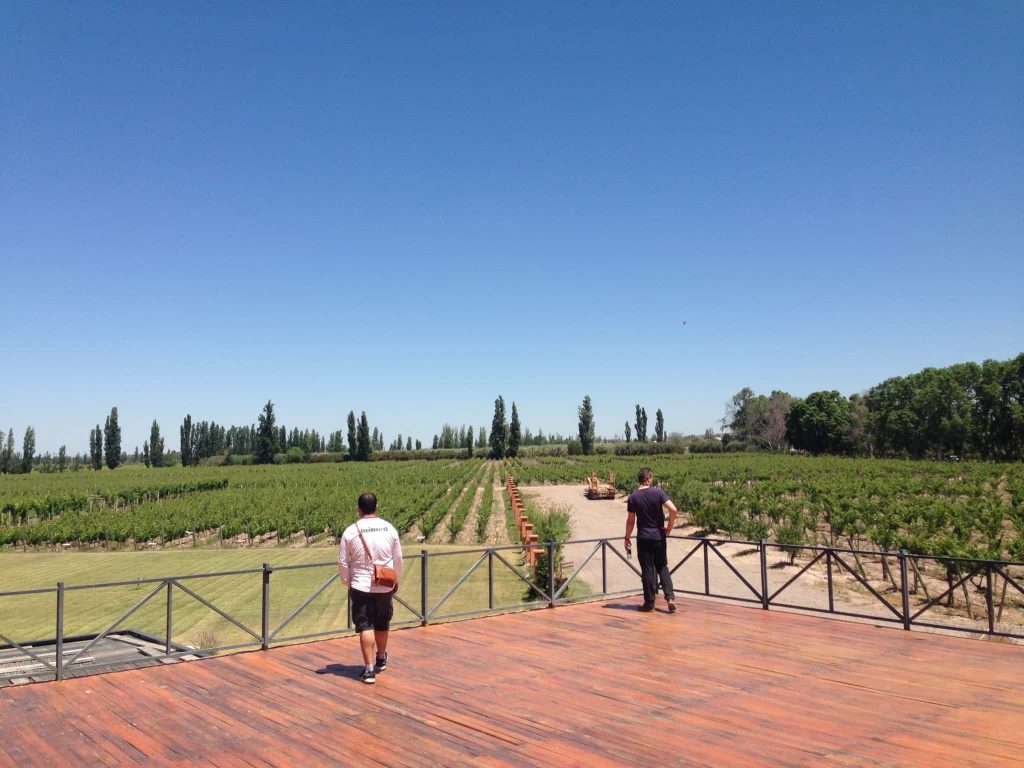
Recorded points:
(905, 588)
(707, 575)
(170, 617)
(764, 574)
(831, 594)
(988, 599)
(60, 630)
(490, 579)
(423, 587)
(265, 624)
(604, 566)
(551, 574)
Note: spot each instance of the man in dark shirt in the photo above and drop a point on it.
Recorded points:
(646, 511)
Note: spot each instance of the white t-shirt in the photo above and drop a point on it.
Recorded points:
(385, 549)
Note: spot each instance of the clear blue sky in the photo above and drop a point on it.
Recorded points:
(410, 208)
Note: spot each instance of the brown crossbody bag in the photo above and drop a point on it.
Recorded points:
(383, 575)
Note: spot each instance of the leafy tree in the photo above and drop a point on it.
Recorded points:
(818, 423)
(629, 433)
(856, 435)
(586, 426)
(514, 433)
(96, 448)
(266, 436)
(419, 446)
(408, 444)
(481, 438)
(736, 413)
(435, 444)
(7, 453)
(659, 426)
(468, 443)
(28, 450)
(156, 446)
(758, 420)
(363, 446)
(62, 458)
(499, 430)
(112, 440)
(145, 454)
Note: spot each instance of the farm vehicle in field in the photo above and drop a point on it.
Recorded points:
(595, 490)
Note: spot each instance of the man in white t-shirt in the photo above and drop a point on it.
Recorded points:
(370, 603)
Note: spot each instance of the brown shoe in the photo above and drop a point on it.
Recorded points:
(671, 606)
(646, 607)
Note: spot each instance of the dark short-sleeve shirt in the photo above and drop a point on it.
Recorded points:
(646, 504)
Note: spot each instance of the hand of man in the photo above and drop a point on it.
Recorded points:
(629, 543)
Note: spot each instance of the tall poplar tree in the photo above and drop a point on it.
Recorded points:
(62, 458)
(156, 446)
(641, 424)
(187, 442)
(28, 450)
(659, 426)
(353, 444)
(112, 440)
(266, 436)
(586, 426)
(96, 448)
(499, 430)
(363, 446)
(515, 434)
(629, 433)
(7, 453)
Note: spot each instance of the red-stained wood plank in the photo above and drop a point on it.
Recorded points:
(589, 685)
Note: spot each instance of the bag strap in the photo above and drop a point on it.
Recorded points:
(365, 548)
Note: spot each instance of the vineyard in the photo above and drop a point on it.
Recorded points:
(969, 510)
(164, 505)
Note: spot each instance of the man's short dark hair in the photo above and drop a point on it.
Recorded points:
(644, 475)
(367, 504)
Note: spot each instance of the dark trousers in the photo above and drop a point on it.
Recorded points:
(653, 557)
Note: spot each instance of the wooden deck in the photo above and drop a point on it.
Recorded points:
(594, 684)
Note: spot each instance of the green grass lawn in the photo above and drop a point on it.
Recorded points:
(91, 611)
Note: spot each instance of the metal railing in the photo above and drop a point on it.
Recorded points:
(556, 591)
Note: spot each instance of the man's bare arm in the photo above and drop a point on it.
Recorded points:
(672, 513)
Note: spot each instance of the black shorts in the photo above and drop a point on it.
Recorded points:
(371, 610)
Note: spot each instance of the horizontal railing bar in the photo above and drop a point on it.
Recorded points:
(207, 651)
(482, 550)
(702, 593)
(40, 591)
(300, 566)
(309, 635)
(868, 616)
(155, 580)
(479, 611)
(983, 630)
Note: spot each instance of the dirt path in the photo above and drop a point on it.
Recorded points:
(468, 533)
(497, 529)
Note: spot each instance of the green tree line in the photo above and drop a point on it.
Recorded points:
(968, 410)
